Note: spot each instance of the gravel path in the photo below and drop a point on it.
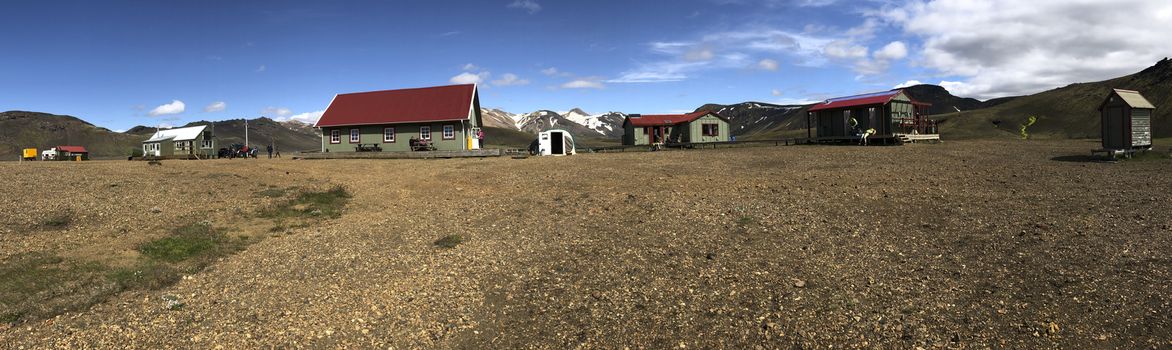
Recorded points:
(954, 245)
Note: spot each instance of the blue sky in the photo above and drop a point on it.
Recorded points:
(120, 64)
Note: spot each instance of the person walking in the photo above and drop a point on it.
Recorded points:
(269, 148)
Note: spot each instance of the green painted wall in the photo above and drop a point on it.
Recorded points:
(633, 135)
(369, 134)
(696, 130)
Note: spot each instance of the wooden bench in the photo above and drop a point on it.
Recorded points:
(373, 147)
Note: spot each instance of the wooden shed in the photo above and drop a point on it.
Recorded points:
(1126, 121)
(696, 127)
(892, 114)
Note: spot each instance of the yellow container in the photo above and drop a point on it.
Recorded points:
(77, 158)
(30, 153)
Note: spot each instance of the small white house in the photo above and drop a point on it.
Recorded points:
(181, 142)
(556, 142)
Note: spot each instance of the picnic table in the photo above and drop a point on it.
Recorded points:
(364, 147)
(418, 144)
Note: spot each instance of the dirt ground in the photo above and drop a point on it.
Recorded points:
(969, 244)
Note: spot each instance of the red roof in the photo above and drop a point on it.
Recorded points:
(72, 149)
(441, 103)
(668, 119)
(878, 98)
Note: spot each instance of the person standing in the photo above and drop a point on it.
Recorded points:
(269, 149)
(480, 137)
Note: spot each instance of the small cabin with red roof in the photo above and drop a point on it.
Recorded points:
(696, 127)
(892, 114)
(66, 153)
(446, 117)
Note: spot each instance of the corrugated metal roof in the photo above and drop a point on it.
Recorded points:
(440, 103)
(877, 98)
(668, 119)
(180, 134)
(1134, 99)
(72, 149)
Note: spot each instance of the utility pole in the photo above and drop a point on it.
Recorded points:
(245, 131)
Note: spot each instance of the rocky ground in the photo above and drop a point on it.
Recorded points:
(954, 245)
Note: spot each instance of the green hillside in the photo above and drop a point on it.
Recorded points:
(20, 129)
(1068, 112)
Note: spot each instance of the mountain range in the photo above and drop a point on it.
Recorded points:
(1066, 112)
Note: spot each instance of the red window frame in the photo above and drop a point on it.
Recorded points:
(335, 136)
(449, 129)
(391, 133)
(355, 135)
(425, 135)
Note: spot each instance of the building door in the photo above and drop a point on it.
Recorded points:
(557, 144)
(1113, 128)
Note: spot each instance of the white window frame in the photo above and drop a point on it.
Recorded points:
(207, 144)
(389, 132)
(335, 136)
(425, 135)
(449, 132)
(355, 135)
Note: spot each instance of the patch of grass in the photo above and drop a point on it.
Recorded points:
(745, 220)
(272, 193)
(449, 241)
(150, 275)
(1148, 156)
(186, 242)
(34, 286)
(309, 204)
(57, 220)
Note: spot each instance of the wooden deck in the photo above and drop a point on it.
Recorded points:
(918, 137)
(882, 139)
(477, 153)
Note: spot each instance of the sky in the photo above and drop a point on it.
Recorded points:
(118, 64)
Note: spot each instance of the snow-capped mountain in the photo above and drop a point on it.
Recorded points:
(576, 121)
(746, 118)
(752, 117)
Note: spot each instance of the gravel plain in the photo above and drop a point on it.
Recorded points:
(967, 244)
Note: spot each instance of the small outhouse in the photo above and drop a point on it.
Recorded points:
(555, 142)
(1126, 121)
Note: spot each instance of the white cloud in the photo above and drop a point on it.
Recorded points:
(218, 106)
(276, 112)
(165, 125)
(510, 79)
(894, 51)
(700, 54)
(307, 117)
(175, 107)
(659, 72)
(1000, 47)
(584, 83)
(768, 64)
(527, 5)
(471, 67)
(551, 71)
(776, 92)
(907, 84)
(844, 49)
(469, 78)
(262, 68)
